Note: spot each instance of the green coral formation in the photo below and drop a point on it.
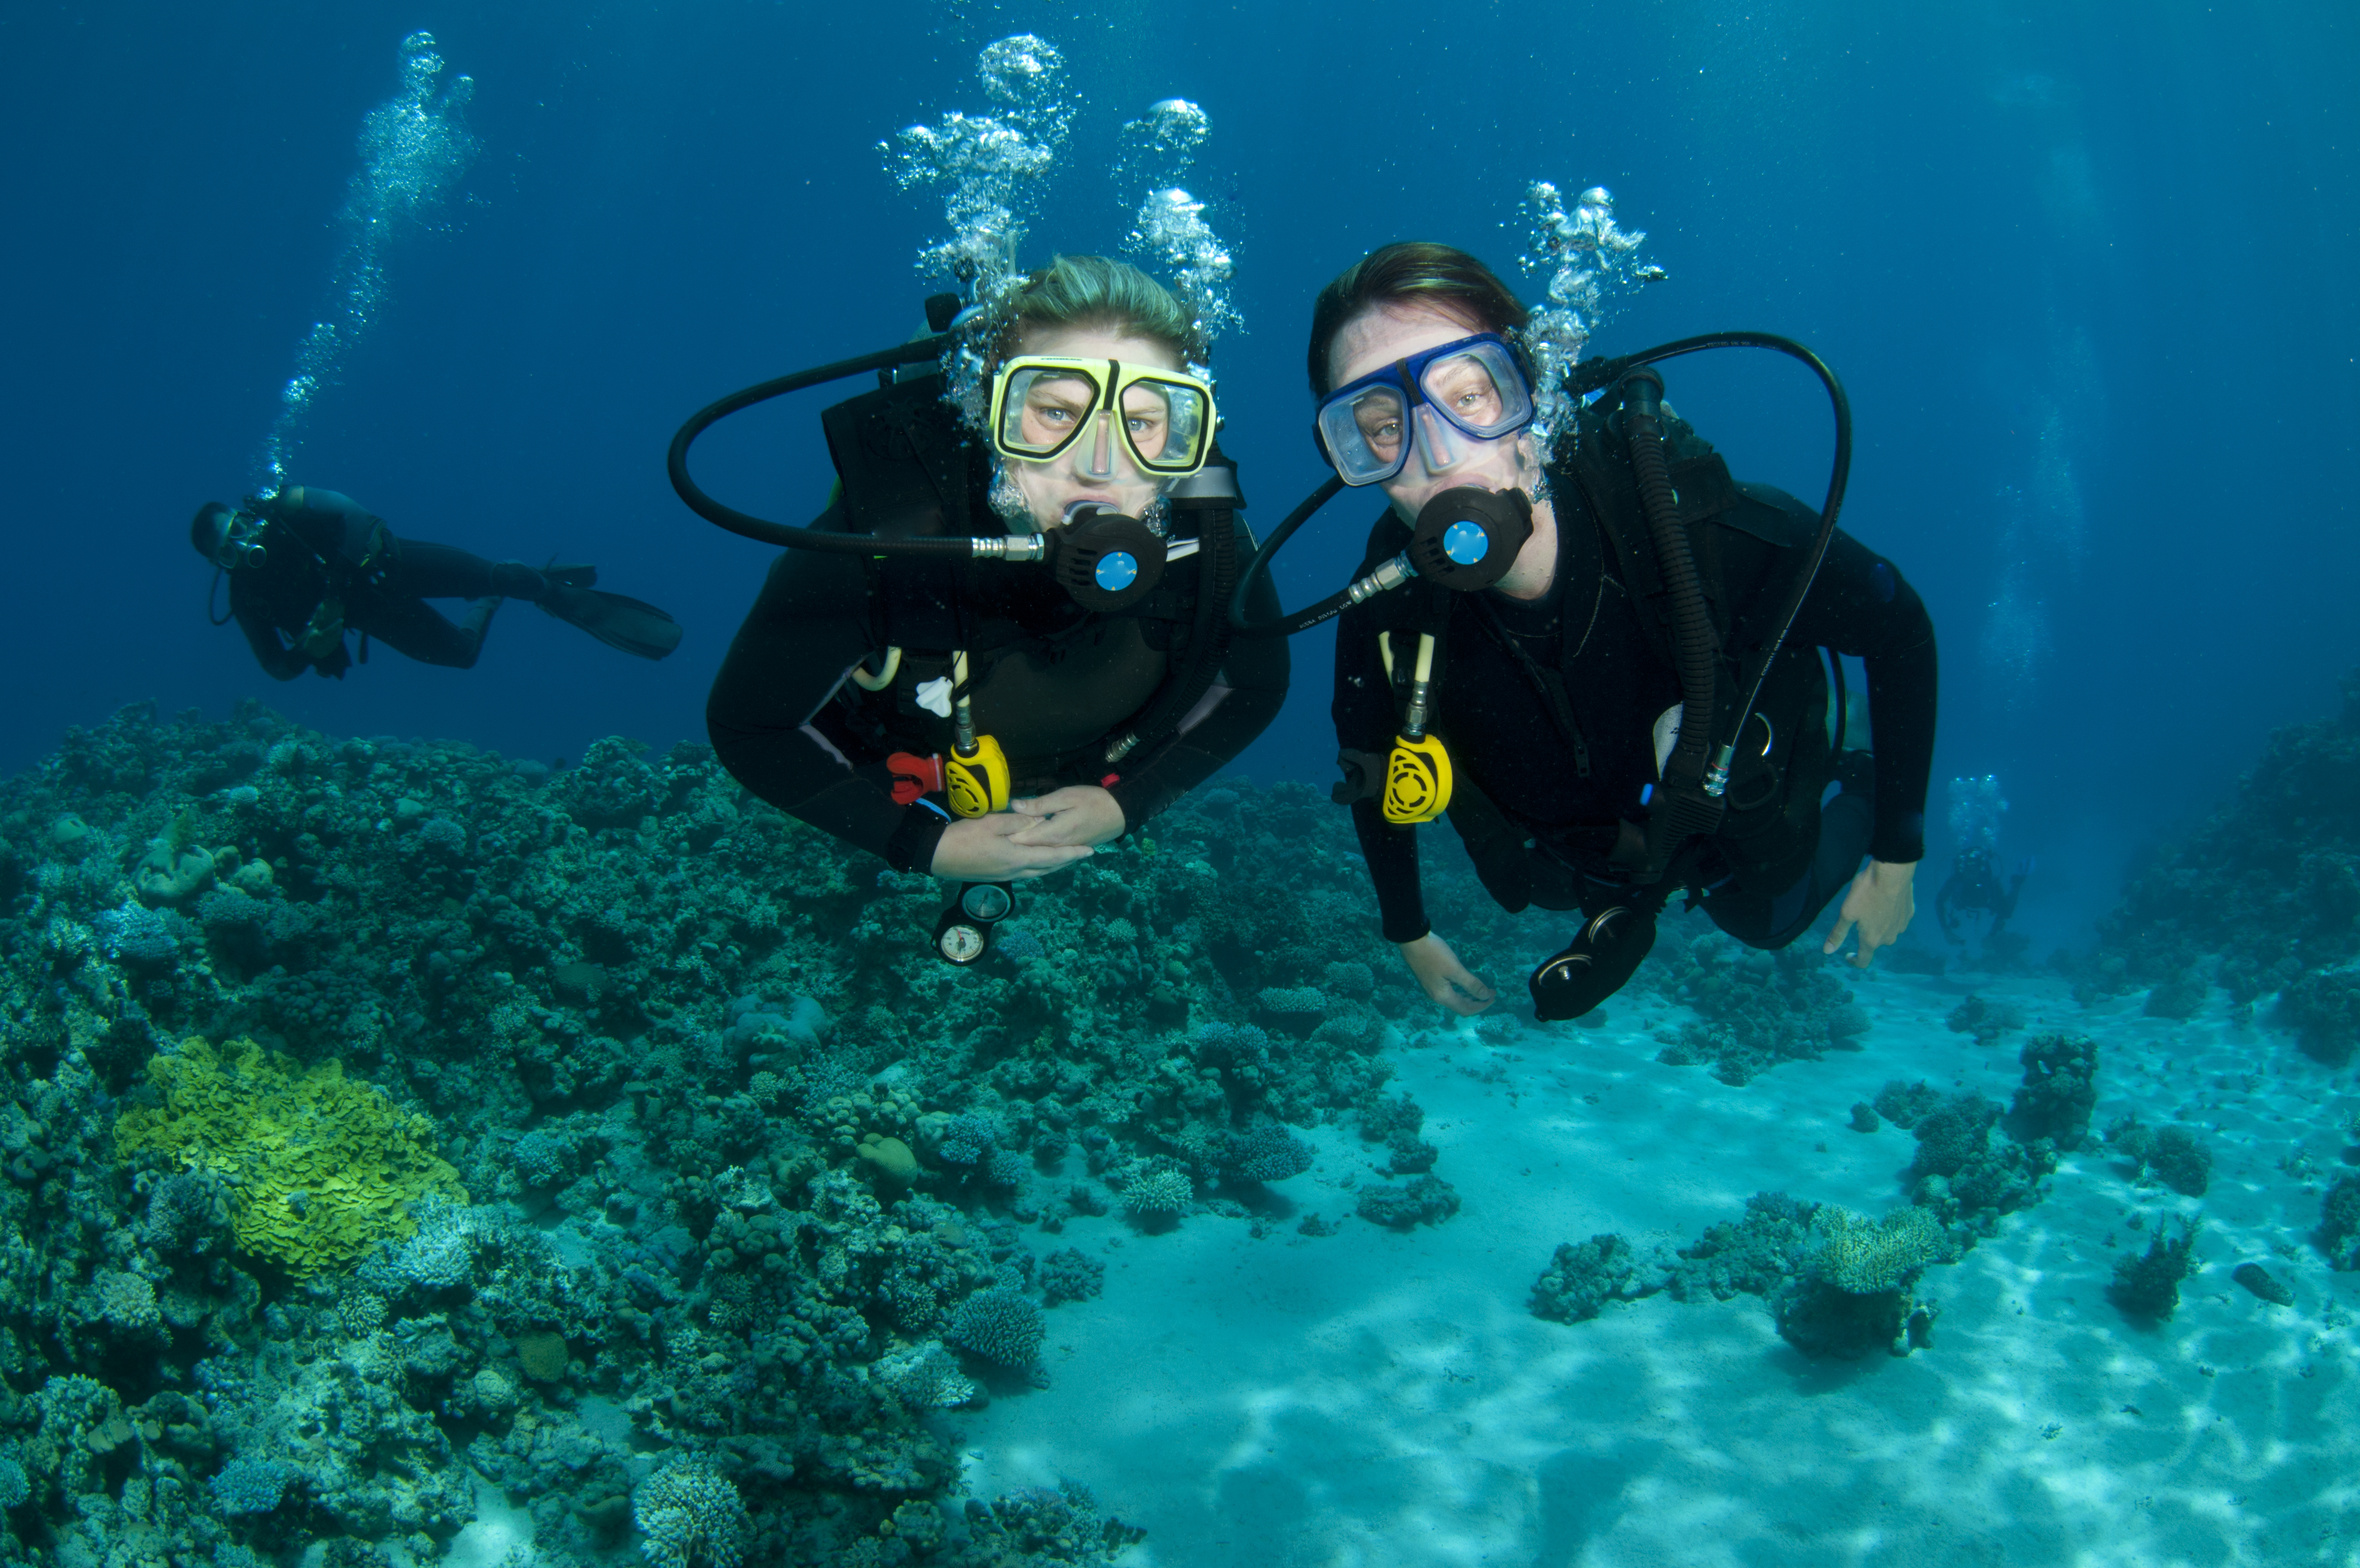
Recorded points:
(324, 1167)
(1862, 1257)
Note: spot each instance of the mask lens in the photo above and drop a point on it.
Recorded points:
(1366, 431)
(1042, 409)
(1479, 390)
(1165, 424)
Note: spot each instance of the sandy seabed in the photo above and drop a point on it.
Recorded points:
(1373, 1398)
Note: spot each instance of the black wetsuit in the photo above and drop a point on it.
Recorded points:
(324, 546)
(1592, 630)
(1051, 681)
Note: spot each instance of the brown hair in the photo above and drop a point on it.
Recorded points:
(1094, 292)
(1419, 271)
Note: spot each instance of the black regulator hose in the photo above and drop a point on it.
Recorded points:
(1301, 620)
(1693, 637)
(1587, 378)
(744, 524)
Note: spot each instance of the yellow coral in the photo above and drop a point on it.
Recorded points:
(321, 1167)
(1857, 1255)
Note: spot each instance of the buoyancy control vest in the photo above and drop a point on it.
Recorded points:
(1069, 693)
(1744, 540)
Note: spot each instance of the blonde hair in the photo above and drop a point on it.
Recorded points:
(1096, 293)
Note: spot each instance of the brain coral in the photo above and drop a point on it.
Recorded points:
(323, 1167)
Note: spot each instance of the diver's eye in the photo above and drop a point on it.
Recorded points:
(1379, 421)
(1467, 389)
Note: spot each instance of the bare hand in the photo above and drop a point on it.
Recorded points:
(1444, 978)
(1880, 903)
(1078, 814)
(988, 849)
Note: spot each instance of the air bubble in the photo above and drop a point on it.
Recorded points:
(1586, 260)
(413, 147)
(1158, 150)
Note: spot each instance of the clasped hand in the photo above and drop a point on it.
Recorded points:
(1031, 838)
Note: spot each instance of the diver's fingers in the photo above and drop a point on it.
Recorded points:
(1835, 938)
(1466, 980)
(1048, 858)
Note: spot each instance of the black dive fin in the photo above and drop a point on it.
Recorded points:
(618, 620)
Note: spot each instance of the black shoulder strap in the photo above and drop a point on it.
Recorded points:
(907, 464)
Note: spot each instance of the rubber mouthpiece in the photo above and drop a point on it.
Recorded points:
(1105, 560)
(1466, 538)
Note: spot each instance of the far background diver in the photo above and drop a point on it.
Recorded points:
(307, 565)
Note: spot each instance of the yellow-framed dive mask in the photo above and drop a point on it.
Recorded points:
(1043, 405)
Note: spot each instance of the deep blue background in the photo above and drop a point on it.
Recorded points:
(2133, 223)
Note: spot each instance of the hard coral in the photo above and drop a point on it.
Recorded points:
(691, 1517)
(2059, 1091)
(1000, 1325)
(2148, 1287)
(323, 1167)
(1861, 1257)
(1581, 1279)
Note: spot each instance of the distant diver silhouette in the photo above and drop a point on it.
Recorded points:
(307, 566)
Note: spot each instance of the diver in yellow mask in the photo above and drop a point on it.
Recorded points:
(995, 722)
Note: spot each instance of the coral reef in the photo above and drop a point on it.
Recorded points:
(2059, 1091)
(1836, 1284)
(376, 1112)
(2172, 1155)
(2147, 1287)
(2263, 896)
(1986, 1021)
(1580, 1280)
(2323, 1010)
(323, 1167)
(690, 1518)
(1423, 1200)
(2339, 1223)
(1754, 1009)
(1962, 1177)
(1001, 1325)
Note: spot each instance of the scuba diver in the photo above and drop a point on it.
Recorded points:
(1974, 888)
(306, 565)
(921, 695)
(1606, 666)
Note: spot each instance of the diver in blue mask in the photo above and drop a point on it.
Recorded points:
(1614, 588)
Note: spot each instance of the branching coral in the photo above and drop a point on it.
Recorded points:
(691, 1517)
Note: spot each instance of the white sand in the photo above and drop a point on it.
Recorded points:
(1373, 1398)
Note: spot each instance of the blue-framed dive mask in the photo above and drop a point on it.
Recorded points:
(1470, 387)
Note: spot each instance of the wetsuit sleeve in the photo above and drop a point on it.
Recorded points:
(278, 661)
(1363, 712)
(1238, 706)
(1861, 605)
(798, 644)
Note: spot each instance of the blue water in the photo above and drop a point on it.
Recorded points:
(2033, 242)
(2085, 270)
